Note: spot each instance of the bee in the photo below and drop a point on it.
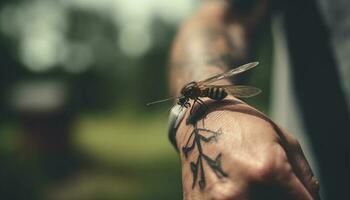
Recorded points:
(195, 90)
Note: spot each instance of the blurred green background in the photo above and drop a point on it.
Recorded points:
(75, 76)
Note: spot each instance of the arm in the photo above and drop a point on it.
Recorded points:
(234, 152)
(212, 41)
(203, 46)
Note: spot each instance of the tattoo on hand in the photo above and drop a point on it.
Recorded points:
(197, 167)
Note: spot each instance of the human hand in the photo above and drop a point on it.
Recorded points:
(235, 152)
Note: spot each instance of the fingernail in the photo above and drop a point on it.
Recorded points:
(316, 183)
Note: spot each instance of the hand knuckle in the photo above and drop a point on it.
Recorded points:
(270, 166)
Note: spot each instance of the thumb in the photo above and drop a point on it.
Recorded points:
(300, 165)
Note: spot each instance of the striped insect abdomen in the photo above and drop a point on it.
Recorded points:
(215, 93)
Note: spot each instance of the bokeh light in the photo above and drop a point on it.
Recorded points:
(75, 78)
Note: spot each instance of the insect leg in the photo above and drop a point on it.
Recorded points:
(200, 101)
(194, 102)
(202, 104)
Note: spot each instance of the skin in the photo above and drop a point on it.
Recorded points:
(262, 160)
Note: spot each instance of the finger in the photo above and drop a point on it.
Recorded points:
(300, 165)
(286, 186)
(294, 189)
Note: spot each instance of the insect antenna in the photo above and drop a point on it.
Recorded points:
(160, 101)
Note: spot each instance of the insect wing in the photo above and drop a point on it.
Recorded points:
(241, 91)
(230, 73)
(160, 101)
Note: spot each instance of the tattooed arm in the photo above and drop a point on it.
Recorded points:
(202, 46)
(212, 41)
(234, 152)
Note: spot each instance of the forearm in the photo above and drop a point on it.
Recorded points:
(208, 43)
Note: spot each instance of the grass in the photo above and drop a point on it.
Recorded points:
(135, 159)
